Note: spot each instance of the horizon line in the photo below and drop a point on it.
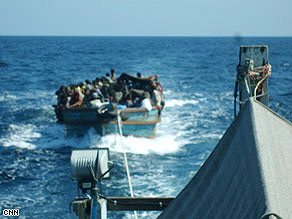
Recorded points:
(190, 36)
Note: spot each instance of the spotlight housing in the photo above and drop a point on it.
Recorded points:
(88, 166)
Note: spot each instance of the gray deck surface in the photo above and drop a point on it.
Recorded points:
(248, 174)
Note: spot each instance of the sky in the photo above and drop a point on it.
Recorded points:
(146, 17)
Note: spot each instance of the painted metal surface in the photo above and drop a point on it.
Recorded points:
(258, 53)
(98, 158)
(138, 203)
(247, 175)
(251, 59)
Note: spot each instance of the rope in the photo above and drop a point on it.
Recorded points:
(247, 84)
(256, 74)
(253, 78)
(258, 84)
(126, 160)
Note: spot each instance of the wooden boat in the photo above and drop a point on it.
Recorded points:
(137, 122)
(110, 117)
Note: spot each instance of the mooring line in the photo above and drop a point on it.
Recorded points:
(126, 160)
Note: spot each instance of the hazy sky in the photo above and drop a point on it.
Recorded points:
(146, 17)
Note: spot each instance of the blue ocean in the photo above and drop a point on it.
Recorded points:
(197, 78)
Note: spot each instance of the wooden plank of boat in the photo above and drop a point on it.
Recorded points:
(137, 122)
(91, 115)
(140, 122)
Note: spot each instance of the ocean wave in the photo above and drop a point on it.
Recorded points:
(32, 98)
(173, 103)
(30, 136)
(7, 97)
(22, 136)
(164, 143)
(160, 145)
(167, 92)
(285, 64)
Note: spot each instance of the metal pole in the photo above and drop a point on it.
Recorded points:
(103, 208)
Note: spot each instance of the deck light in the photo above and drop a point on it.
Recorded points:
(88, 166)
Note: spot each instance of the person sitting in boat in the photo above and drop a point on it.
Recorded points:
(146, 103)
(139, 93)
(76, 99)
(82, 86)
(86, 99)
(120, 92)
(81, 91)
(113, 75)
(133, 103)
(69, 92)
(62, 96)
(95, 100)
(157, 99)
(97, 89)
(157, 96)
(137, 96)
(62, 101)
(105, 89)
(98, 82)
(139, 75)
(108, 78)
(88, 84)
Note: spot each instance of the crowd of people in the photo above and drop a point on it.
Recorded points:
(124, 91)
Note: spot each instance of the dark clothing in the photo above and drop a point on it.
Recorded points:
(62, 98)
(141, 94)
(75, 98)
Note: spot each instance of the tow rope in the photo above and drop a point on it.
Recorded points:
(126, 160)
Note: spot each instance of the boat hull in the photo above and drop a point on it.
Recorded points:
(136, 121)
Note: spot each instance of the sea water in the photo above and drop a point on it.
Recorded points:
(198, 84)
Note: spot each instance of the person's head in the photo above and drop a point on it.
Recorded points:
(112, 71)
(99, 83)
(139, 75)
(87, 92)
(76, 89)
(87, 81)
(68, 88)
(107, 74)
(62, 88)
(71, 87)
(94, 95)
(82, 85)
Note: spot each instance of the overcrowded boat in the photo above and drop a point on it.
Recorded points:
(129, 105)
